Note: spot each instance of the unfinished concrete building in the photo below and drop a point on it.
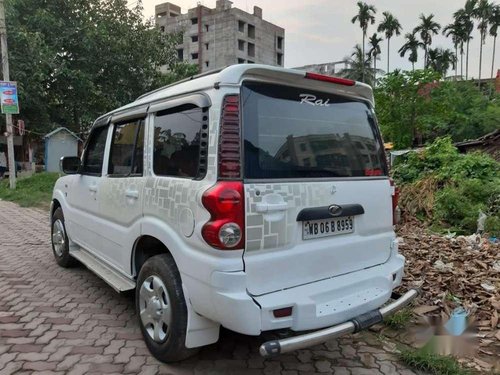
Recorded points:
(215, 38)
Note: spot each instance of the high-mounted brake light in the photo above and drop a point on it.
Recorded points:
(337, 80)
(230, 139)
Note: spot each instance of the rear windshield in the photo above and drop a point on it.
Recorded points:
(300, 133)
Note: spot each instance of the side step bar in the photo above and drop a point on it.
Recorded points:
(276, 347)
(116, 280)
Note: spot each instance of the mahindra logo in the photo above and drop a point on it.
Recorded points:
(335, 210)
(312, 100)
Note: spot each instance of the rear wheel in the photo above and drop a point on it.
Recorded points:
(161, 308)
(60, 243)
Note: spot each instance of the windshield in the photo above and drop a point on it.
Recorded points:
(300, 133)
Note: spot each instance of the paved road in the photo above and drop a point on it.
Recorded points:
(55, 320)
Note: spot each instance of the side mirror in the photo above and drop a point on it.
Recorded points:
(70, 164)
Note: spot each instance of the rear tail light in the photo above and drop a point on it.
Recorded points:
(225, 202)
(282, 313)
(395, 199)
(230, 139)
(337, 80)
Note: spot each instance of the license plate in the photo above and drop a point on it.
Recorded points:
(327, 227)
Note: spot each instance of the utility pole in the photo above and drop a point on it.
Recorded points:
(8, 116)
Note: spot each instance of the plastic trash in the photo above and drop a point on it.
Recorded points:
(457, 324)
(480, 222)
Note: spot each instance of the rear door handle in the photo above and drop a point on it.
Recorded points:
(266, 207)
(134, 194)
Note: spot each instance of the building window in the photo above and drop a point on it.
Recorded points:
(180, 54)
(194, 21)
(207, 28)
(279, 59)
(207, 64)
(194, 38)
(194, 56)
(241, 45)
(251, 62)
(251, 49)
(280, 42)
(241, 61)
(251, 31)
(173, 15)
(162, 29)
(206, 46)
(241, 26)
(303, 147)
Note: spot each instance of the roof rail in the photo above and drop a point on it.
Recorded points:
(210, 72)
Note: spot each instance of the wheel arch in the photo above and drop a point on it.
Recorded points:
(145, 247)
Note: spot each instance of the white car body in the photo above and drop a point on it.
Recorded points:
(326, 281)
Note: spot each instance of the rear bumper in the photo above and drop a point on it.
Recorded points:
(277, 347)
(314, 306)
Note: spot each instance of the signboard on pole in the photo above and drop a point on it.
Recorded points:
(8, 97)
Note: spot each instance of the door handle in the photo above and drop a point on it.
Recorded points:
(93, 188)
(134, 194)
(267, 207)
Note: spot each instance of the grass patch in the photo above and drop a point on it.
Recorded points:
(34, 191)
(424, 360)
(400, 319)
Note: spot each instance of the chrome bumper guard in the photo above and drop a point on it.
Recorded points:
(276, 347)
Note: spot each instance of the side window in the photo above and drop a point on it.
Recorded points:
(94, 153)
(177, 140)
(127, 145)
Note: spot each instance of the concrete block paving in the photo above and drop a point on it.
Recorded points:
(68, 321)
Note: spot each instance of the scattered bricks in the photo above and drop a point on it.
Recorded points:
(129, 336)
(32, 357)
(60, 353)
(124, 355)
(14, 333)
(40, 330)
(96, 358)
(106, 368)
(20, 340)
(46, 337)
(68, 362)
(72, 335)
(64, 327)
(348, 351)
(58, 321)
(8, 319)
(368, 360)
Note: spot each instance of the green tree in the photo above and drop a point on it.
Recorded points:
(359, 67)
(483, 14)
(390, 26)
(75, 60)
(465, 17)
(365, 17)
(455, 30)
(374, 51)
(427, 28)
(411, 45)
(494, 24)
(441, 60)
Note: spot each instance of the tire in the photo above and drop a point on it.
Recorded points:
(59, 240)
(161, 309)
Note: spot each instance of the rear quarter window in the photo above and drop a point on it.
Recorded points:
(299, 133)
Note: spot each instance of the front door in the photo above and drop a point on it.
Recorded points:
(84, 195)
(122, 192)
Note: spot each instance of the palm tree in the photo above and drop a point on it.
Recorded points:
(412, 45)
(464, 16)
(482, 13)
(441, 59)
(427, 28)
(391, 26)
(359, 67)
(494, 24)
(374, 42)
(455, 30)
(365, 16)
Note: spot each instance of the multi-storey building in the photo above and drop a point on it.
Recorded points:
(215, 38)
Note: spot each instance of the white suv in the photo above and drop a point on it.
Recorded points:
(255, 197)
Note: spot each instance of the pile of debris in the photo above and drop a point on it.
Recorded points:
(454, 271)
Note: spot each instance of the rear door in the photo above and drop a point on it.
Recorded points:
(318, 199)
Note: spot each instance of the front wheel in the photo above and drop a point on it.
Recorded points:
(161, 308)
(60, 243)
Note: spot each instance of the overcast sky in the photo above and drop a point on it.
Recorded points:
(321, 31)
